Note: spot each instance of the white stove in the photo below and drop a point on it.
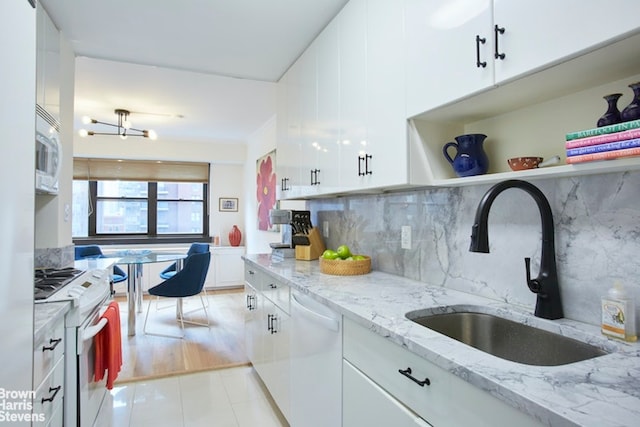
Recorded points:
(89, 293)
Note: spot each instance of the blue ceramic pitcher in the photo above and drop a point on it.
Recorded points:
(470, 158)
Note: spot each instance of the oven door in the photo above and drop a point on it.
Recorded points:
(90, 393)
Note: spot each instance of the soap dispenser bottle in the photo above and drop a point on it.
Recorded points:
(619, 314)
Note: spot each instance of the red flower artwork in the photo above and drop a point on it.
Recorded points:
(265, 190)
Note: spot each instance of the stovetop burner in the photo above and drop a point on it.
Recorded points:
(48, 281)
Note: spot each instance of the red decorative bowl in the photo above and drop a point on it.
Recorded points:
(522, 163)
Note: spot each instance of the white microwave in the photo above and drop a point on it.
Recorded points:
(48, 155)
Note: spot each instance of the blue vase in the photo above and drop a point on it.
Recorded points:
(470, 158)
(612, 115)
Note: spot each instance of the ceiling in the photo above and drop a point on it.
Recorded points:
(200, 70)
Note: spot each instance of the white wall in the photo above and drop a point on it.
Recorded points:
(227, 181)
(261, 142)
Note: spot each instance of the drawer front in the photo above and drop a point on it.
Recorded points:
(277, 292)
(48, 351)
(49, 396)
(446, 401)
(367, 404)
(253, 276)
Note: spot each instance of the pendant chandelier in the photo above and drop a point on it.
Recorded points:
(123, 128)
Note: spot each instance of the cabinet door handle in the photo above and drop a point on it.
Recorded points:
(271, 319)
(250, 300)
(479, 40)
(407, 373)
(364, 159)
(53, 343)
(55, 391)
(498, 30)
(273, 286)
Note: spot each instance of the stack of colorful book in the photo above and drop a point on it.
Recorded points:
(604, 143)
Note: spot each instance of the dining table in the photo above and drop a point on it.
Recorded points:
(135, 259)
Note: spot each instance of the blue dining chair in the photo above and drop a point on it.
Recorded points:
(94, 251)
(195, 248)
(187, 282)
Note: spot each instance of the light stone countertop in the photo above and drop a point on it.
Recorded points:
(47, 314)
(604, 391)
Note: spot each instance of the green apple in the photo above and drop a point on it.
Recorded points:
(330, 254)
(343, 251)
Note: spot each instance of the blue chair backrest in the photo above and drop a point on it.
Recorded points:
(88, 251)
(198, 248)
(187, 282)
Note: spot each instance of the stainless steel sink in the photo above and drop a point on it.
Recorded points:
(508, 339)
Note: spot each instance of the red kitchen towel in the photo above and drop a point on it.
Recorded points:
(108, 346)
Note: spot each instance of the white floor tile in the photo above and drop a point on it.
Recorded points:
(231, 397)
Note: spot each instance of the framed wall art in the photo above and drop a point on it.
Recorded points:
(228, 204)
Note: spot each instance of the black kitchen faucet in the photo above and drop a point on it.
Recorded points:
(545, 286)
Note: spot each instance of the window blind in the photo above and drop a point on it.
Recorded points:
(92, 169)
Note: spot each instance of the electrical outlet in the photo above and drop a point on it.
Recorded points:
(325, 229)
(405, 238)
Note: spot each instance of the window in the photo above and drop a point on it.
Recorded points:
(135, 209)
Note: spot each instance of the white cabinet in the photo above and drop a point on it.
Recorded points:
(410, 383)
(368, 404)
(455, 52)
(540, 33)
(352, 77)
(441, 56)
(227, 267)
(47, 64)
(48, 375)
(352, 23)
(267, 333)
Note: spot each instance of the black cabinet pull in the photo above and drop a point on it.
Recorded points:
(407, 373)
(55, 391)
(250, 300)
(479, 40)
(273, 286)
(53, 343)
(314, 177)
(364, 159)
(285, 183)
(498, 30)
(271, 319)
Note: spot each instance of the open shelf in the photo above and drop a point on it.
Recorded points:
(530, 116)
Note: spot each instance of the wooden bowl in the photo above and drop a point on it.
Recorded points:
(522, 163)
(341, 267)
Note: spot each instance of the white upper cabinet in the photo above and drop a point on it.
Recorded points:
(47, 64)
(449, 51)
(386, 124)
(456, 49)
(325, 147)
(542, 32)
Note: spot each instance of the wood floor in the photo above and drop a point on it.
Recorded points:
(220, 346)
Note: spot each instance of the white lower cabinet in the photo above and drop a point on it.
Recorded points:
(267, 334)
(367, 404)
(433, 394)
(48, 375)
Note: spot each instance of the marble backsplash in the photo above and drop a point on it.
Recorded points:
(54, 257)
(597, 238)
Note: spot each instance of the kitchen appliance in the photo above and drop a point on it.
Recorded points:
(48, 153)
(285, 249)
(296, 226)
(89, 294)
(316, 363)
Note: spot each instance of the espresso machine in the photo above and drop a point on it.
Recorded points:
(295, 227)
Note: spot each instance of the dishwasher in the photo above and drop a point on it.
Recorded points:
(316, 363)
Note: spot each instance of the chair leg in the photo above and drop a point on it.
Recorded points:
(206, 314)
(144, 328)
